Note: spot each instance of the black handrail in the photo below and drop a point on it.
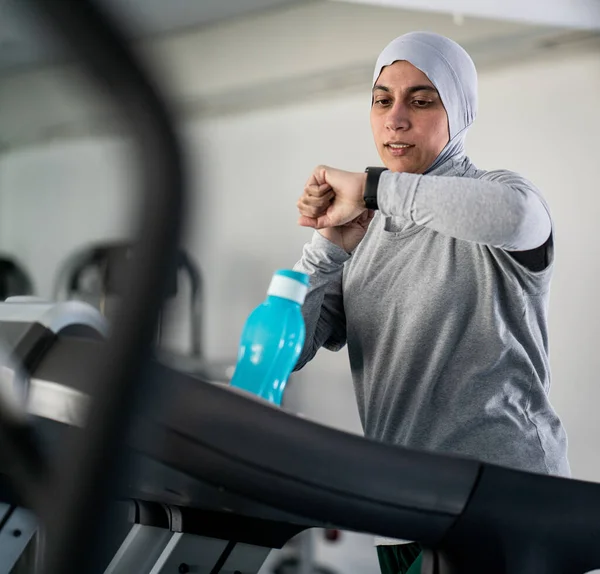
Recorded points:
(75, 505)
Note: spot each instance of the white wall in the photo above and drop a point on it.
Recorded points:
(265, 157)
(55, 197)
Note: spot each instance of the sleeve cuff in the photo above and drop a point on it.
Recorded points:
(396, 192)
(321, 257)
(332, 252)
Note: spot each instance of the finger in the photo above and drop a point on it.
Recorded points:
(314, 222)
(321, 200)
(321, 174)
(324, 221)
(311, 211)
(305, 221)
(317, 177)
(312, 180)
(317, 190)
(313, 205)
(337, 215)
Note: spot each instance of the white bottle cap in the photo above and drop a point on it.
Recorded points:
(284, 285)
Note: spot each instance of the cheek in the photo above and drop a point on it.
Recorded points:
(439, 132)
(378, 135)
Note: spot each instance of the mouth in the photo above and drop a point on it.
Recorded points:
(398, 148)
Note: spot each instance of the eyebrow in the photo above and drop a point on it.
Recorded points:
(411, 90)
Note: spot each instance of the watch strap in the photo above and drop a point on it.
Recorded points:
(370, 194)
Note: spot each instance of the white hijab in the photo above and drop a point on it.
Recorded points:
(451, 70)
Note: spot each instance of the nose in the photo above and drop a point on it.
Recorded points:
(397, 118)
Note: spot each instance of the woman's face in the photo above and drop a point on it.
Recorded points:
(408, 120)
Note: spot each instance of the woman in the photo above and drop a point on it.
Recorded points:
(436, 274)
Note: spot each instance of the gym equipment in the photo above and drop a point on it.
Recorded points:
(14, 279)
(228, 469)
(217, 464)
(97, 274)
(61, 495)
(147, 535)
(299, 557)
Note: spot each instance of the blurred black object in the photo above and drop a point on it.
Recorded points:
(73, 507)
(14, 279)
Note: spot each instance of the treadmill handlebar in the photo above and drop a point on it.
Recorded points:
(245, 446)
(240, 443)
(89, 469)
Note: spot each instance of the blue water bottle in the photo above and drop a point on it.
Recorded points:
(272, 338)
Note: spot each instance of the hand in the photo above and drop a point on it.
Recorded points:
(317, 199)
(349, 235)
(332, 197)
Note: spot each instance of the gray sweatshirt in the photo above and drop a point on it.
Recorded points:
(446, 329)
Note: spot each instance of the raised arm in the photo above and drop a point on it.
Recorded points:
(500, 208)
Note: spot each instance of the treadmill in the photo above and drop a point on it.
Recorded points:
(216, 477)
(14, 279)
(96, 273)
(119, 463)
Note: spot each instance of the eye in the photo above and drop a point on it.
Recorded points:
(421, 103)
(381, 102)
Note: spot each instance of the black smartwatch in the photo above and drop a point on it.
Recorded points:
(370, 195)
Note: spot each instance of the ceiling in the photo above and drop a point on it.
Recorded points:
(574, 14)
(288, 39)
(24, 42)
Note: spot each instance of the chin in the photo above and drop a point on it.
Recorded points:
(401, 165)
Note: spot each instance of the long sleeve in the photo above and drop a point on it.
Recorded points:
(500, 209)
(323, 308)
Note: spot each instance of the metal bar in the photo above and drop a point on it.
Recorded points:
(14, 537)
(140, 550)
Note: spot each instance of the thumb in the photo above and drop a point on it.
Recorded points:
(320, 175)
(305, 221)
